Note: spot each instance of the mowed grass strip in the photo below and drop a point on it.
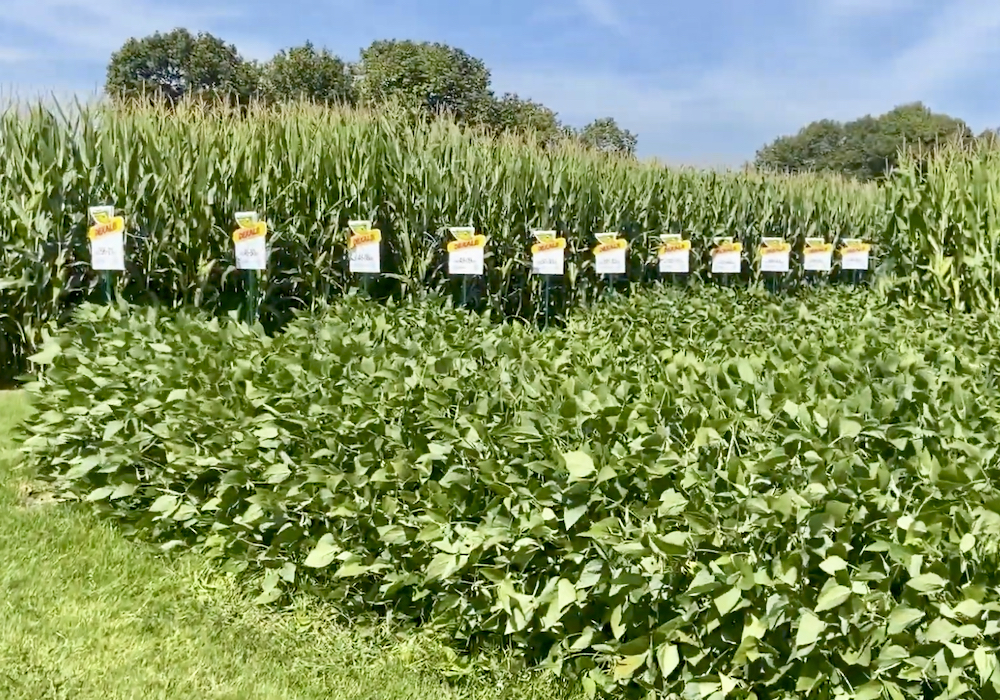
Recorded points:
(86, 614)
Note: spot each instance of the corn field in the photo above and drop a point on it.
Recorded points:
(179, 176)
(943, 231)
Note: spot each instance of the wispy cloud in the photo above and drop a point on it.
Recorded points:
(98, 27)
(750, 99)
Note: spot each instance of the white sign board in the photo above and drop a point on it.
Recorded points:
(107, 239)
(548, 254)
(775, 255)
(250, 241)
(467, 253)
(674, 254)
(364, 248)
(817, 255)
(855, 254)
(609, 254)
(727, 257)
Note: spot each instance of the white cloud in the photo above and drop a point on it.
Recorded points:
(94, 28)
(744, 100)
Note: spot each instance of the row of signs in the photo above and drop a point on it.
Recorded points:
(466, 250)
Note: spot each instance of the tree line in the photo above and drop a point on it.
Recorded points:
(423, 77)
(867, 148)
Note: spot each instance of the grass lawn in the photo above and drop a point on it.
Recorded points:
(85, 614)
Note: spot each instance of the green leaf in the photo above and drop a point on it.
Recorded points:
(925, 583)
(810, 628)
(101, 493)
(745, 370)
(441, 567)
(164, 504)
(869, 691)
(572, 516)
(832, 597)
(728, 600)
(628, 665)
(267, 432)
(833, 564)
(849, 428)
(986, 665)
(902, 617)
(177, 395)
(668, 658)
(617, 628)
(322, 554)
(579, 464)
(46, 356)
(351, 570)
(967, 543)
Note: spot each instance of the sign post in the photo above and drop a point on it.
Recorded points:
(775, 260)
(727, 258)
(609, 255)
(817, 256)
(364, 248)
(855, 257)
(466, 256)
(674, 255)
(107, 246)
(548, 259)
(250, 240)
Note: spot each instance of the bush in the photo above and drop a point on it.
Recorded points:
(708, 493)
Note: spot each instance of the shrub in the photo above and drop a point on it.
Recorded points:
(705, 493)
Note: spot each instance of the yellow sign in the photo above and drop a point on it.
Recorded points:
(609, 242)
(249, 227)
(673, 243)
(104, 222)
(547, 240)
(465, 237)
(855, 245)
(774, 245)
(727, 246)
(362, 234)
(815, 246)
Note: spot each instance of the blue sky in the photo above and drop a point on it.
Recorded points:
(703, 82)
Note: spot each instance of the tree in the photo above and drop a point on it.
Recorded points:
(511, 113)
(433, 78)
(605, 135)
(305, 73)
(866, 148)
(178, 64)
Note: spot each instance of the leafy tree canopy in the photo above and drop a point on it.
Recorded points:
(605, 135)
(866, 148)
(307, 74)
(427, 76)
(514, 114)
(179, 64)
(421, 78)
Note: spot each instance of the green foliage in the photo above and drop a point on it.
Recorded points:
(944, 227)
(866, 148)
(605, 135)
(178, 64)
(707, 493)
(513, 114)
(430, 77)
(303, 73)
(179, 176)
